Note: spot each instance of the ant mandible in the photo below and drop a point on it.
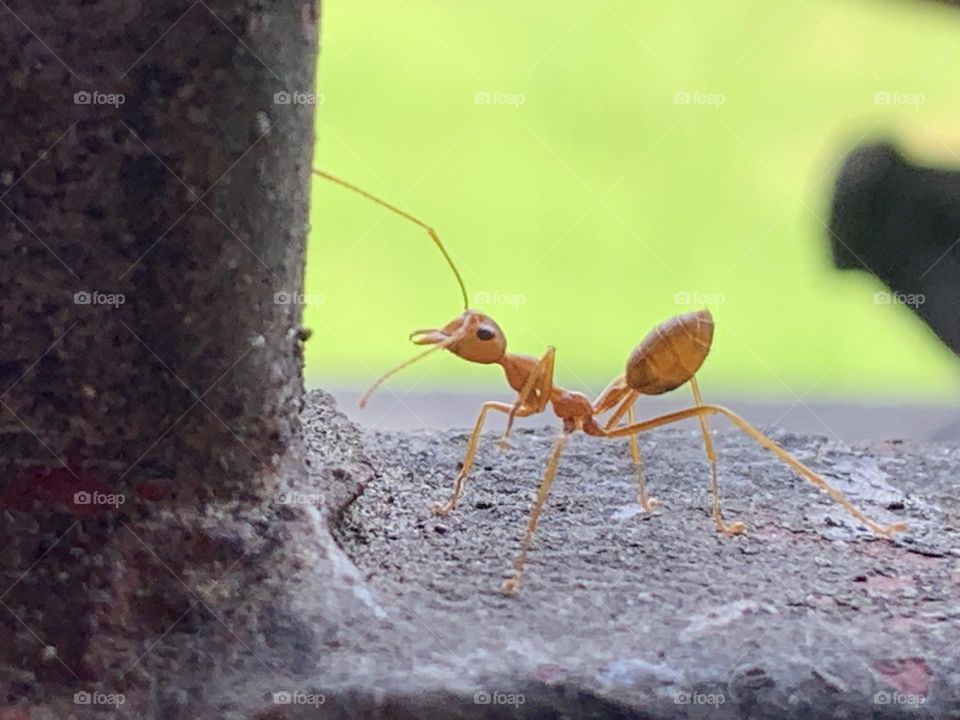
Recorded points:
(668, 357)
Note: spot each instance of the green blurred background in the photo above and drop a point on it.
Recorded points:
(552, 146)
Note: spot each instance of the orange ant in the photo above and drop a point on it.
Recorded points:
(668, 357)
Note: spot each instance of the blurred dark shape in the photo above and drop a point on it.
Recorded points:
(901, 222)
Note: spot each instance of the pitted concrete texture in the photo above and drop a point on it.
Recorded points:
(345, 598)
(655, 615)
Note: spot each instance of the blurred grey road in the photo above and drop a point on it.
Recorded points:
(847, 421)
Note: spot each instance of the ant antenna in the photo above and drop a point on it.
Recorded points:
(454, 338)
(408, 216)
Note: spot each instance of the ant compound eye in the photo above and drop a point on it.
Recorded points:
(485, 333)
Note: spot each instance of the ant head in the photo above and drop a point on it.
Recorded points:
(473, 336)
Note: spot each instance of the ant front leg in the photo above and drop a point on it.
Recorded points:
(443, 508)
(540, 385)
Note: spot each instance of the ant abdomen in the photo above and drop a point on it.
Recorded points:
(671, 353)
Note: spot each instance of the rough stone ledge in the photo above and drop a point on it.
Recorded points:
(398, 614)
(627, 615)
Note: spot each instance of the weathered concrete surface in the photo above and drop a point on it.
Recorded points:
(620, 615)
(623, 614)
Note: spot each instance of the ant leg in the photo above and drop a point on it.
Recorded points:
(540, 383)
(441, 508)
(647, 503)
(511, 585)
(738, 527)
(623, 403)
(798, 467)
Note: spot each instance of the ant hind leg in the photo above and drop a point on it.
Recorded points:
(737, 528)
(649, 504)
(797, 466)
